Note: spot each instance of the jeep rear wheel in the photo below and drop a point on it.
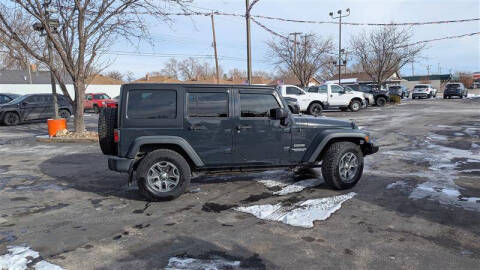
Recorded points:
(315, 109)
(107, 122)
(355, 105)
(163, 175)
(381, 101)
(342, 165)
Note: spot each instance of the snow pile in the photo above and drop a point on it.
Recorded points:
(301, 214)
(299, 186)
(400, 184)
(198, 264)
(18, 257)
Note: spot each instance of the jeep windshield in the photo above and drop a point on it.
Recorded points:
(453, 86)
(421, 86)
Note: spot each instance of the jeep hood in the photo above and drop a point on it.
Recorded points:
(320, 122)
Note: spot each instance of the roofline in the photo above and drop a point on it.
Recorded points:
(204, 85)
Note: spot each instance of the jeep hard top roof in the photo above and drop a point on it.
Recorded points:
(188, 85)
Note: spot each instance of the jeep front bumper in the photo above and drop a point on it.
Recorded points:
(369, 148)
(120, 164)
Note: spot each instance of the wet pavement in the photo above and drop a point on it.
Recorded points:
(417, 205)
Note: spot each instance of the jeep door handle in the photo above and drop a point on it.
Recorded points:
(241, 127)
(197, 127)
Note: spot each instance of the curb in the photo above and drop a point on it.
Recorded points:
(47, 139)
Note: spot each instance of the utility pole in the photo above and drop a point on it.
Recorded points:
(340, 16)
(295, 45)
(215, 49)
(249, 51)
(413, 71)
(428, 71)
(439, 68)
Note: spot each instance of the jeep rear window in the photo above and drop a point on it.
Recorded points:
(207, 104)
(152, 104)
(257, 105)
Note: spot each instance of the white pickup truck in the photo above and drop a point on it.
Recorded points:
(326, 96)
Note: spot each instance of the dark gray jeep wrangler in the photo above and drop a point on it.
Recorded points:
(161, 133)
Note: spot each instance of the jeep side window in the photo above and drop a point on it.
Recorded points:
(152, 104)
(207, 104)
(257, 105)
(337, 89)
(293, 91)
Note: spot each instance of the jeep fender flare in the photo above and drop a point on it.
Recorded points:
(178, 141)
(321, 141)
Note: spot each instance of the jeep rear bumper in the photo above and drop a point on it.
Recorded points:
(369, 148)
(120, 164)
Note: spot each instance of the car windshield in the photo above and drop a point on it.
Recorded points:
(453, 86)
(395, 87)
(421, 86)
(101, 96)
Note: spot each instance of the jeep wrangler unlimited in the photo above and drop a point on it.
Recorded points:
(161, 133)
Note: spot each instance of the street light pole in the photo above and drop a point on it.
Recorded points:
(340, 16)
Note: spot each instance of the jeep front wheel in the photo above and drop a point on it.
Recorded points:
(342, 165)
(163, 175)
(315, 109)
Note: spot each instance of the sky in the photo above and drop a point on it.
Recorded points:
(192, 36)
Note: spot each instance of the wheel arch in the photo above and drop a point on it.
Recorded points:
(316, 101)
(150, 143)
(323, 142)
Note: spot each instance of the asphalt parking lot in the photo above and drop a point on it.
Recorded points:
(416, 207)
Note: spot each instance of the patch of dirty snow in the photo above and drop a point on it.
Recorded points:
(200, 264)
(18, 257)
(400, 184)
(301, 214)
(299, 186)
(269, 183)
(440, 185)
(458, 134)
(437, 137)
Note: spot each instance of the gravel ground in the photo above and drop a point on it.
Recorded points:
(416, 207)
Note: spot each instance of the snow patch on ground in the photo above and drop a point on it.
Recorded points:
(442, 174)
(18, 257)
(299, 186)
(399, 184)
(199, 264)
(458, 134)
(301, 214)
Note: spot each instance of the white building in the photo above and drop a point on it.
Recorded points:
(22, 82)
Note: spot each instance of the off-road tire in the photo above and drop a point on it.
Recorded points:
(315, 109)
(64, 114)
(107, 122)
(331, 161)
(11, 119)
(163, 155)
(381, 101)
(352, 106)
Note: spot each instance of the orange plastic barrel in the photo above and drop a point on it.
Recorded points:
(55, 125)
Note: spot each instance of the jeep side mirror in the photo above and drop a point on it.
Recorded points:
(278, 113)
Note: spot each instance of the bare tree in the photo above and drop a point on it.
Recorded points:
(303, 59)
(129, 76)
(171, 68)
(384, 51)
(237, 73)
(189, 68)
(117, 75)
(86, 29)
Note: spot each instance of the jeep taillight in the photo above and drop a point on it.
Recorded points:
(116, 135)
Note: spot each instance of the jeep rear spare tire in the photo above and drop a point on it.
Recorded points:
(342, 165)
(107, 122)
(163, 175)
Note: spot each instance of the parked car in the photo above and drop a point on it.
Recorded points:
(335, 96)
(424, 91)
(369, 98)
(292, 105)
(162, 133)
(6, 97)
(303, 99)
(112, 103)
(381, 97)
(455, 90)
(33, 107)
(399, 90)
(96, 101)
